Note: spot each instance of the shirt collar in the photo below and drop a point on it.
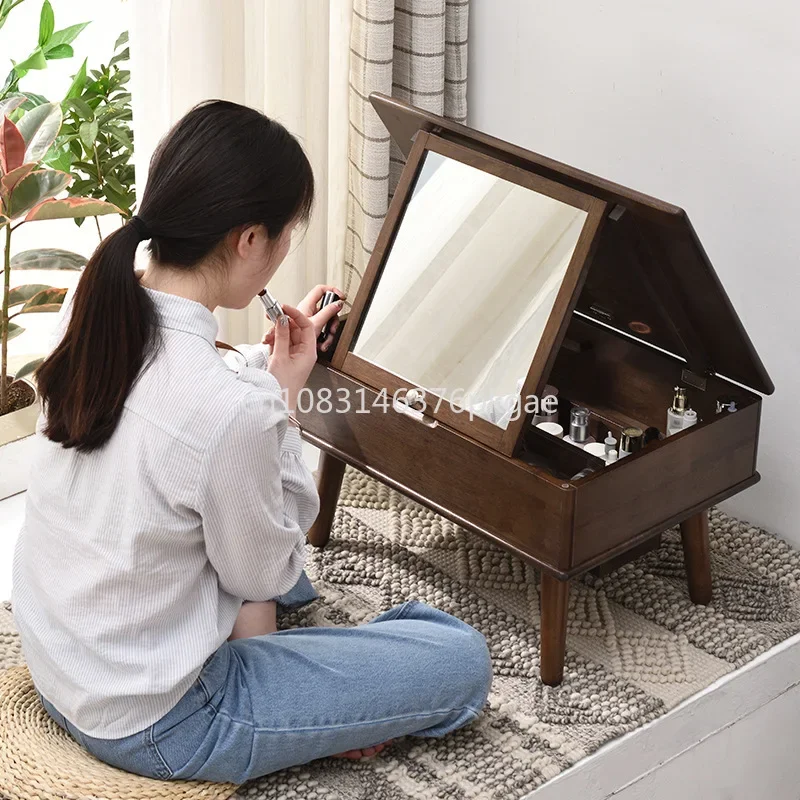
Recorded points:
(182, 314)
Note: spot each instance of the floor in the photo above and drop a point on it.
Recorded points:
(733, 741)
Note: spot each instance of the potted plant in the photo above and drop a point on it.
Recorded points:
(29, 193)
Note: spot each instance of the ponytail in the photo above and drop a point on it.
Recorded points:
(86, 379)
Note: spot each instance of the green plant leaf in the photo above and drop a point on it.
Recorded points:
(14, 330)
(39, 128)
(35, 188)
(121, 136)
(61, 161)
(10, 103)
(78, 82)
(12, 146)
(27, 369)
(21, 294)
(47, 23)
(123, 55)
(80, 106)
(88, 134)
(70, 207)
(67, 35)
(48, 258)
(35, 60)
(123, 39)
(47, 300)
(59, 51)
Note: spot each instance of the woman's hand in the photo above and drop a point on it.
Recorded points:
(308, 305)
(318, 318)
(294, 351)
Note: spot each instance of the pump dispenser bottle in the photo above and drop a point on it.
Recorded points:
(675, 414)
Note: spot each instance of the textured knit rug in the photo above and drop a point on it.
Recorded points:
(636, 645)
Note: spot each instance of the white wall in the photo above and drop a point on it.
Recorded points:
(695, 103)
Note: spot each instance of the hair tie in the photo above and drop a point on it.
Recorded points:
(141, 227)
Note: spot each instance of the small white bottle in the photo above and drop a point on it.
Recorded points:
(610, 442)
(612, 456)
(579, 428)
(689, 418)
(675, 414)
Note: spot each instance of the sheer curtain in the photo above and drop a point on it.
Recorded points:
(290, 59)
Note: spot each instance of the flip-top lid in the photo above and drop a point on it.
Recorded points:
(650, 277)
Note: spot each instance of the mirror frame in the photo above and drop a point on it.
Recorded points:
(503, 440)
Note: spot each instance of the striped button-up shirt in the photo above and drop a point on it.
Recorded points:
(135, 558)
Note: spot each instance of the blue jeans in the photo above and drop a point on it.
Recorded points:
(287, 698)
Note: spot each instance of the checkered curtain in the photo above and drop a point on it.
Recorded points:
(415, 50)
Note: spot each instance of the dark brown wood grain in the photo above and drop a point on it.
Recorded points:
(697, 557)
(329, 482)
(554, 603)
(520, 505)
(542, 352)
(672, 242)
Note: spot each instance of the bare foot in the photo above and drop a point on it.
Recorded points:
(367, 752)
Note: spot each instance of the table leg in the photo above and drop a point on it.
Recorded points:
(555, 594)
(329, 483)
(697, 557)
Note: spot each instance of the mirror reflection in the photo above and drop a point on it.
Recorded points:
(468, 287)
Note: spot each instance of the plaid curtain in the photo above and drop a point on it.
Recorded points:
(415, 50)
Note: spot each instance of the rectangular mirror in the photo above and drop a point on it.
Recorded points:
(464, 297)
(469, 286)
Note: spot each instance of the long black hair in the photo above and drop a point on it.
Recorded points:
(221, 166)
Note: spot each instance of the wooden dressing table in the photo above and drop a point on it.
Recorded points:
(620, 307)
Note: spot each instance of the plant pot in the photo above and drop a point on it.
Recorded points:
(16, 446)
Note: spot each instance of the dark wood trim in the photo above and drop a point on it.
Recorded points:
(553, 604)
(697, 556)
(503, 440)
(657, 530)
(329, 483)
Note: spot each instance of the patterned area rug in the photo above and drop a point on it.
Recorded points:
(637, 646)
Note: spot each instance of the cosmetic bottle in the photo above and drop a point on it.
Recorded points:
(610, 443)
(676, 412)
(690, 418)
(579, 428)
(549, 391)
(630, 442)
(612, 456)
(553, 428)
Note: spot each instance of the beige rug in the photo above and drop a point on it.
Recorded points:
(637, 646)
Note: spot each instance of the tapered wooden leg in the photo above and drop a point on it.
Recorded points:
(329, 483)
(555, 594)
(697, 557)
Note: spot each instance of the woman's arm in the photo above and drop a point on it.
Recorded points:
(256, 496)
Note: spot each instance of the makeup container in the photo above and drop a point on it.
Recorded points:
(630, 441)
(612, 456)
(328, 298)
(549, 391)
(553, 428)
(676, 411)
(596, 449)
(271, 306)
(690, 418)
(579, 428)
(610, 443)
